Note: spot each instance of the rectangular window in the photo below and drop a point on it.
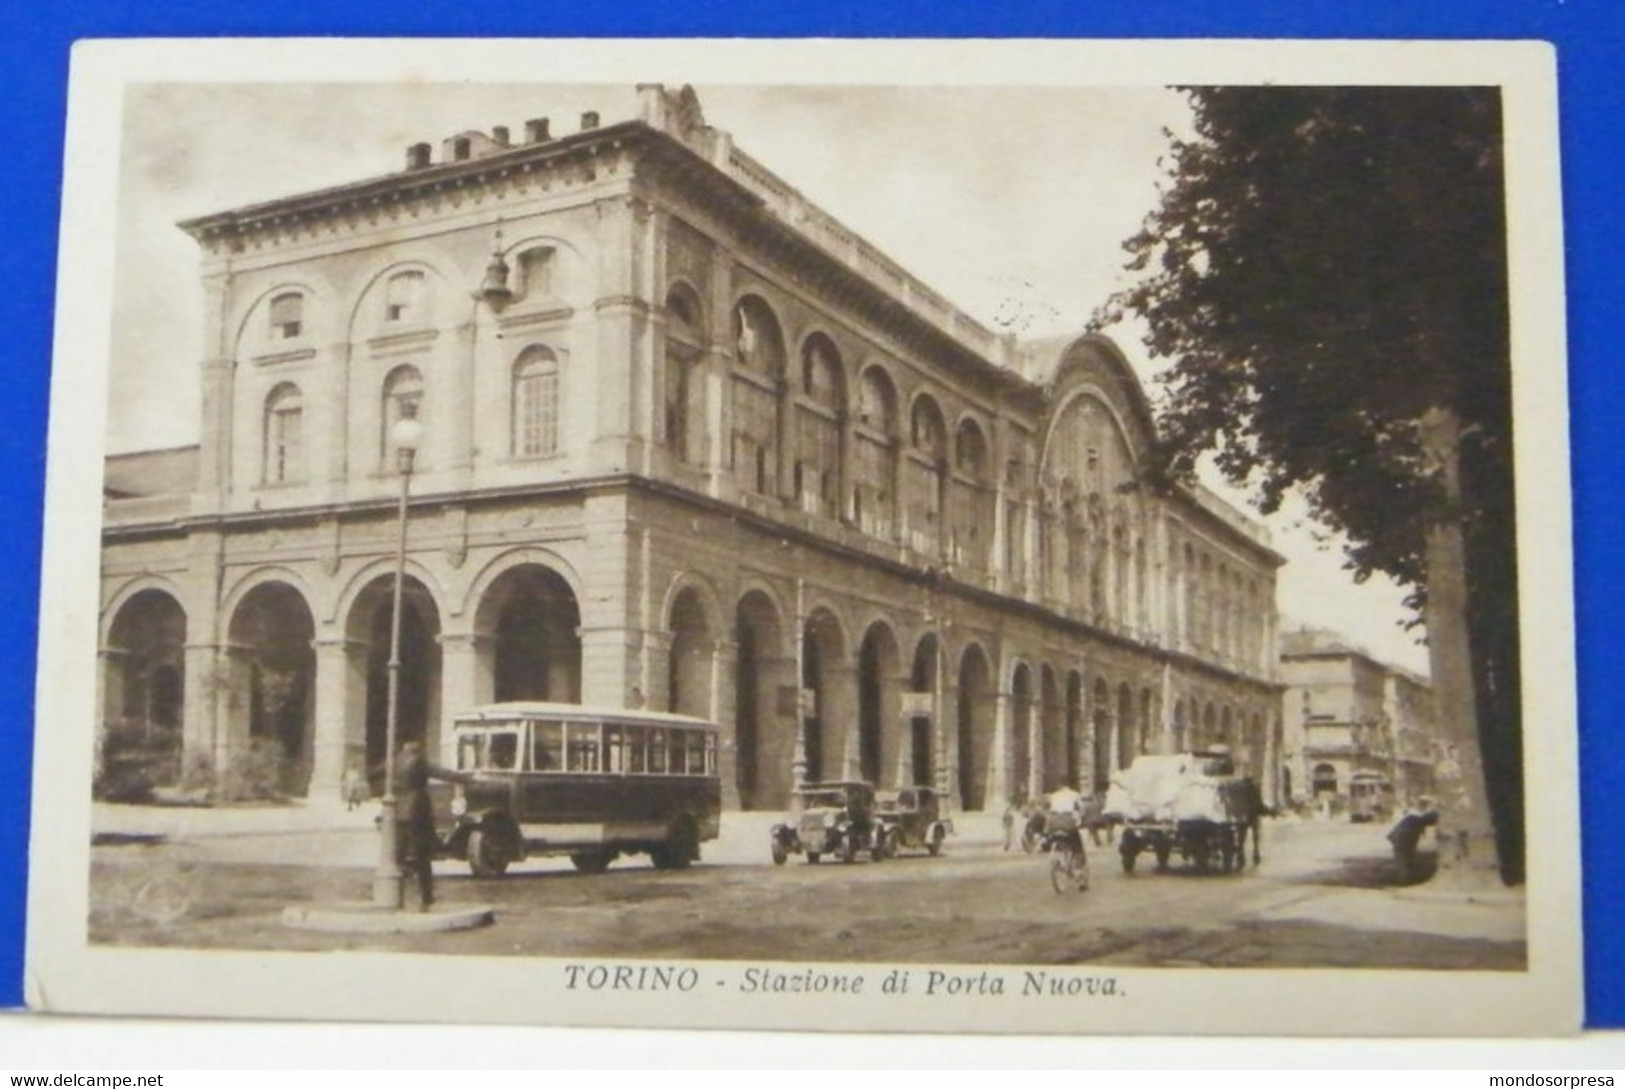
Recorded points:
(582, 747)
(403, 297)
(678, 408)
(503, 753)
(637, 750)
(818, 444)
(614, 750)
(547, 746)
(287, 316)
(755, 422)
(286, 445)
(471, 752)
(872, 493)
(657, 751)
(537, 414)
(536, 273)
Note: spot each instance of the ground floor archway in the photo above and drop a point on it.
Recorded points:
(975, 732)
(271, 722)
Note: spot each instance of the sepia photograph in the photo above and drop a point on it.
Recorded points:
(1002, 536)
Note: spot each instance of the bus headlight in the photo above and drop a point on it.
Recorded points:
(829, 820)
(459, 804)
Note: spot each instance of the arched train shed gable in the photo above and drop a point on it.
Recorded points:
(1093, 364)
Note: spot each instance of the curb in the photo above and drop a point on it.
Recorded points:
(361, 917)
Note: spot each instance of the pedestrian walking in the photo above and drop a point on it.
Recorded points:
(1009, 823)
(352, 786)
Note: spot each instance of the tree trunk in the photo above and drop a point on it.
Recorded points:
(1467, 853)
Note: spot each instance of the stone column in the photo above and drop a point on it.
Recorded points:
(339, 729)
(233, 704)
(111, 665)
(838, 718)
(466, 682)
(1000, 786)
(724, 661)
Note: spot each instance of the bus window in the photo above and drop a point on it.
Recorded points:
(503, 751)
(470, 752)
(657, 751)
(710, 753)
(696, 752)
(637, 750)
(547, 746)
(614, 750)
(581, 746)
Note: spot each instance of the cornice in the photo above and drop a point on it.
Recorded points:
(417, 194)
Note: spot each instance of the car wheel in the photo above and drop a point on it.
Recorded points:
(812, 857)
(487, 855)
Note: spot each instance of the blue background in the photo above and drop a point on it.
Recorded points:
(1588, 33)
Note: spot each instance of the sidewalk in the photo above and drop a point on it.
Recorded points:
(191, 822)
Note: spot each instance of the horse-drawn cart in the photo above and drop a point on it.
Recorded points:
(1192, 805)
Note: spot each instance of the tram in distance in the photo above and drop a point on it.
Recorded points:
(593, 783)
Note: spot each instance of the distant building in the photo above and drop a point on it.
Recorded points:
(692, 444)
(1346, 714)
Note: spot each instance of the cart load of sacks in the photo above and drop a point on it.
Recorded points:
(1181, 787)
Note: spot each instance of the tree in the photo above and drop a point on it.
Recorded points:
(1327, 272)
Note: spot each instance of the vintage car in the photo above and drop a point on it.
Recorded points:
(835, 818)
(911, 818)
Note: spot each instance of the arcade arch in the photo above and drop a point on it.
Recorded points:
(763, 736)
(975, 728)
(271, 660)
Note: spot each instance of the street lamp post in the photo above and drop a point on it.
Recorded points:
(386, 882)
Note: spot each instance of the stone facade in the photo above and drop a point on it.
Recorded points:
(690, 444)
(1346, 712)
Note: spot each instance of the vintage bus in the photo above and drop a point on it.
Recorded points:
(592, 783)
(1371, 797)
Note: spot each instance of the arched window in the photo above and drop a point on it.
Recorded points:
(758, 369)
(403, 398)
(970, 522)
(287, 316)
(875, 462)
(928, 460)
(818, 436)
(684, 343)
(536, 403)
(1142, 589)
(284, 435)
(405, 301)
(1325, 780)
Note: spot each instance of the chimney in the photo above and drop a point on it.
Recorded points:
(417, 156)
(589, 120)
(499, 135)
(536, 131)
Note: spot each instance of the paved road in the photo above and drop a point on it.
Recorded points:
(976, 904)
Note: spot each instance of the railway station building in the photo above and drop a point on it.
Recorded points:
(689, 444)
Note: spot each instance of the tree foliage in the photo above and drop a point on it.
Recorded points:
(1325, 267)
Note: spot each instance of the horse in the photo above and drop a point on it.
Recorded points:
(1244, 806)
